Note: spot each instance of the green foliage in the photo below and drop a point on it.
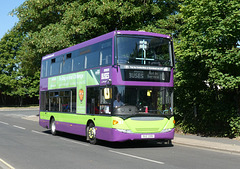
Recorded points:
(211, 33)
(10, 44)
(13, 81)
(47, 26)
(51, 25)
(234, 123)
(207, 77)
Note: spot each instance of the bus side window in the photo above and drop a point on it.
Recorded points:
(54, 101)
(59, 100)
(105, 57)
(67, 63)
(55, 67)
(44, 69)
(44, 106)
(106, 53)
(77, 62)
(93, 100)
(92, 60)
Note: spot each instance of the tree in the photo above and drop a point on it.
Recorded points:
(208, 77)
(9, 64)
(51, 25)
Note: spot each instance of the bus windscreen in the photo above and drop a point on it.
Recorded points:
(144, 50)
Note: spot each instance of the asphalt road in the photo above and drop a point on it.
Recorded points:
(26, 145)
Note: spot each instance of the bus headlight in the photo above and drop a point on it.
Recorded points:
(124, 131)
(166, 130)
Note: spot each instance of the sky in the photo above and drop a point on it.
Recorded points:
(8, 21)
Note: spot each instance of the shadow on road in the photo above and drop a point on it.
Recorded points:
(135, 144)
(117, 145)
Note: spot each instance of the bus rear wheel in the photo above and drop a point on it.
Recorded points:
(53, 127)
(91, 133)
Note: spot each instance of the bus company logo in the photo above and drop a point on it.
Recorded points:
(81, 94)
(106, 70)
(105, 76)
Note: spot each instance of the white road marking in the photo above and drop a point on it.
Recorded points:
(19, 127)
(4, 123)
(141, 158)
(6, 164)
(76, 142)
(34, 131)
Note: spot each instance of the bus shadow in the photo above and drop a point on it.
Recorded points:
(68, 136)
(116, 145)
(135, 144)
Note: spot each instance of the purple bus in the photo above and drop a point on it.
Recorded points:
(115, 87)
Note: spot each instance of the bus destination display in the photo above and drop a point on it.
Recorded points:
(145, 75)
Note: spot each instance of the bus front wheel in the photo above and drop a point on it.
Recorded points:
(91, 133)
(53, 127)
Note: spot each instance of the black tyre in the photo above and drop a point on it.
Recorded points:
(91, 133)
(53, 127)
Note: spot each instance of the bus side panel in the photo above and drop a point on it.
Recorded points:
(43, 120)
(73, 123)
(44, 123)
(73, 128)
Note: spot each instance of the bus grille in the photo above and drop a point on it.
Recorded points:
(147, 118)
(147, 129)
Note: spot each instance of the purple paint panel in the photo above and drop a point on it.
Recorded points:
(65, 127)
(44, 123)
(73, 128)
(105, 75)
(117, 80)
(142, 33)
(44, 84)
(114, 135)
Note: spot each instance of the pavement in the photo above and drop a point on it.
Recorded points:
(213, 143)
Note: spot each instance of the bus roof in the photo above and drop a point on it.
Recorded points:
(102, 38)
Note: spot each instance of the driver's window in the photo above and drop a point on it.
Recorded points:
(105, 101)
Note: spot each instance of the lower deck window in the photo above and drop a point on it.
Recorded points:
(58, 100)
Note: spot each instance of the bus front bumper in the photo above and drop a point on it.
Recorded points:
(115, 135)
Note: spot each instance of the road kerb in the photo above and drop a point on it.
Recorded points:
(207, 144)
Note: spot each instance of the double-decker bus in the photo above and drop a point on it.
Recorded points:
(115, 87)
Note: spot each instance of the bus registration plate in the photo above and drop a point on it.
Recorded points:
(147, 136)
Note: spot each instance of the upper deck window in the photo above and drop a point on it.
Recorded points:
(89, 57)
(145, 50)
(55, 66)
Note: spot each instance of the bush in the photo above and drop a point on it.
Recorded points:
(234, 123)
